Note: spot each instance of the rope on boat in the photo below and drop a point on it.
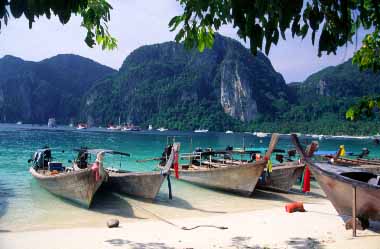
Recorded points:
(175, 225)
(192, 228)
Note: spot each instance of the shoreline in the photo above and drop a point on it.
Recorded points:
(308, 135)
(318, 227)
(197, 203)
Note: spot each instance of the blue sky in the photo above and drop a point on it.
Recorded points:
(141, 22)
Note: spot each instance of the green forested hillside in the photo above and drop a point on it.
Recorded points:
(166, 85)
(324, 97)
(223, 88)
(342, 81)
(34, 91)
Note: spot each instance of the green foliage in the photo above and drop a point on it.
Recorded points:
(369, 54)
(365, 108)
(95, 16)
(337, 22)
(328, 125)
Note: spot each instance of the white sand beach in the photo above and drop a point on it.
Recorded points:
(319, 227)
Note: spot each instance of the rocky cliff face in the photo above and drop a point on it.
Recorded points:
(236, 95)
(165, 82)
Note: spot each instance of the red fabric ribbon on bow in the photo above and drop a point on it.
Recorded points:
(95, 168)
(306, 180)
(176, 169)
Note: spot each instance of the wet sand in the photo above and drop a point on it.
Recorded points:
(188, 201)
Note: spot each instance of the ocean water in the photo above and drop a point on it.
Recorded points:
(26, 206)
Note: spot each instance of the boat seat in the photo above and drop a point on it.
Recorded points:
(291, 153)
(280, 158)
(359, 176)
(184, 166)
(55, 166)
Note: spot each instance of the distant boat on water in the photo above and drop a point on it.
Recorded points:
(351, 137)
(229, 132)
(19, 123)
(52, 123)
(376, 136)
(260, 134)
(114, 127)
(162, 129)
(320, 137)
(201, 131)
(81, 126)
(150, 128)
(131, 127)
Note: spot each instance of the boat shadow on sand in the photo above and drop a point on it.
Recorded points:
(137, 245)
(110, 203)
(5, 194)
(300, 243)
(374, 226)
(259, 194)
(177, 202)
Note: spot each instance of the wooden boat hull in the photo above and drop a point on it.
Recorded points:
(240, 179)
(346, 187)
(283, 177)
(78, 186)
(339, 191)
(140, 184)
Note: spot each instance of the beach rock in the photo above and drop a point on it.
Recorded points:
(112, 223)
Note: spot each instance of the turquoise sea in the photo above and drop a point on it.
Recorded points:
(24, 205)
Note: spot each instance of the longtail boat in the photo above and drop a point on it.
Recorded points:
(283, 175)
(353, 192)
(77, 185)
(370, 165)
(140, 184)
(230, 175)
(240, 179)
